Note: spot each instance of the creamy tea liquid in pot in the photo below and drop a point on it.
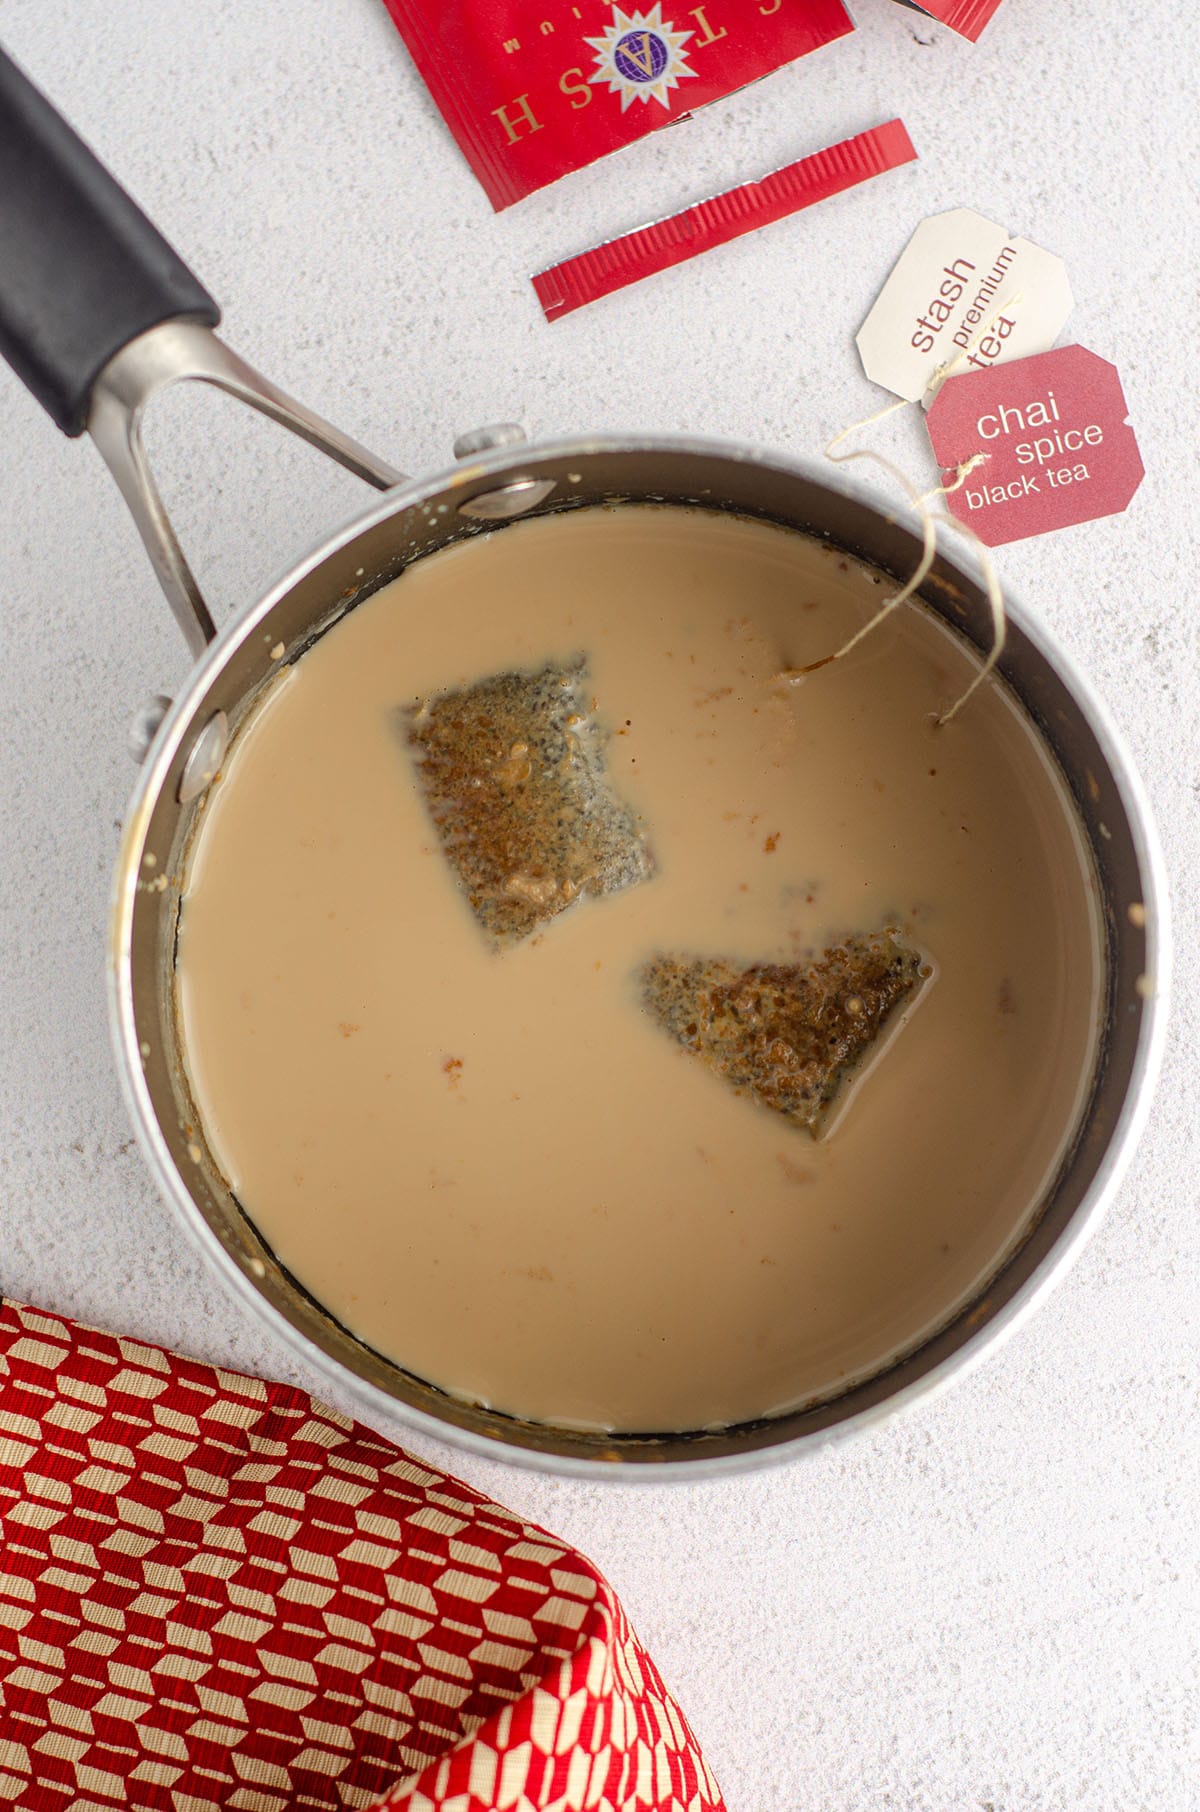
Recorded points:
(494, 1167)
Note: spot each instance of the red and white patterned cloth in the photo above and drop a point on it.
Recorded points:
(217, 1593)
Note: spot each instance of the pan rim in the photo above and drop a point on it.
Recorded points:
(965, 1348)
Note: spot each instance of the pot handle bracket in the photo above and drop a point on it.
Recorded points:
(171, 352)
(98, 314)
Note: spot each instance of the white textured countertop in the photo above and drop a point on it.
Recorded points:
(994, 1605)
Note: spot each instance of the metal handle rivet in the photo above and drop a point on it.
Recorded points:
(207, 754)
(482, 440)
(145, 725)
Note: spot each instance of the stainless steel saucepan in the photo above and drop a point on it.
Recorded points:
(98, 314)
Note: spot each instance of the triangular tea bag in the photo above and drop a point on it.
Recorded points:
(788, 1034)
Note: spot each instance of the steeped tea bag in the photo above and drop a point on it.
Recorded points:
(788, 1034)
(515, 780)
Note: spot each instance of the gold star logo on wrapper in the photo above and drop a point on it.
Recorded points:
(520, 86)
(641, 58)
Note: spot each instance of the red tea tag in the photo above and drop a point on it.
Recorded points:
(1057, 448)
(966, 17)
(619, 262)
(531, 93)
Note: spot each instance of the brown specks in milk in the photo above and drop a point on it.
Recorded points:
(797, 1174)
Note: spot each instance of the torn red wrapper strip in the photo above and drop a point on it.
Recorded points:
(966, 17)
(619, 262)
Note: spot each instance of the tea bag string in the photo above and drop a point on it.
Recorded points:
(929, 520)
(991, 582)
(991, 576)
(928, 529)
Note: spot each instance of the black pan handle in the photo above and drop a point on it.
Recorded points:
(98, 314)
(82, 271)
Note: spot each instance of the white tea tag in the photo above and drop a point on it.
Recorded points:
(964, 296)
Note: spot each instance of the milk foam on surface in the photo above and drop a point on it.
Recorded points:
(494, 1167)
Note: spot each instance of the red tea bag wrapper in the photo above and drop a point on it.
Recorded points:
(966, 17)
(531, 93)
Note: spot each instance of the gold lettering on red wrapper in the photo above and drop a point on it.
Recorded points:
(707, 34)
(525, 113)
(575, 88)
